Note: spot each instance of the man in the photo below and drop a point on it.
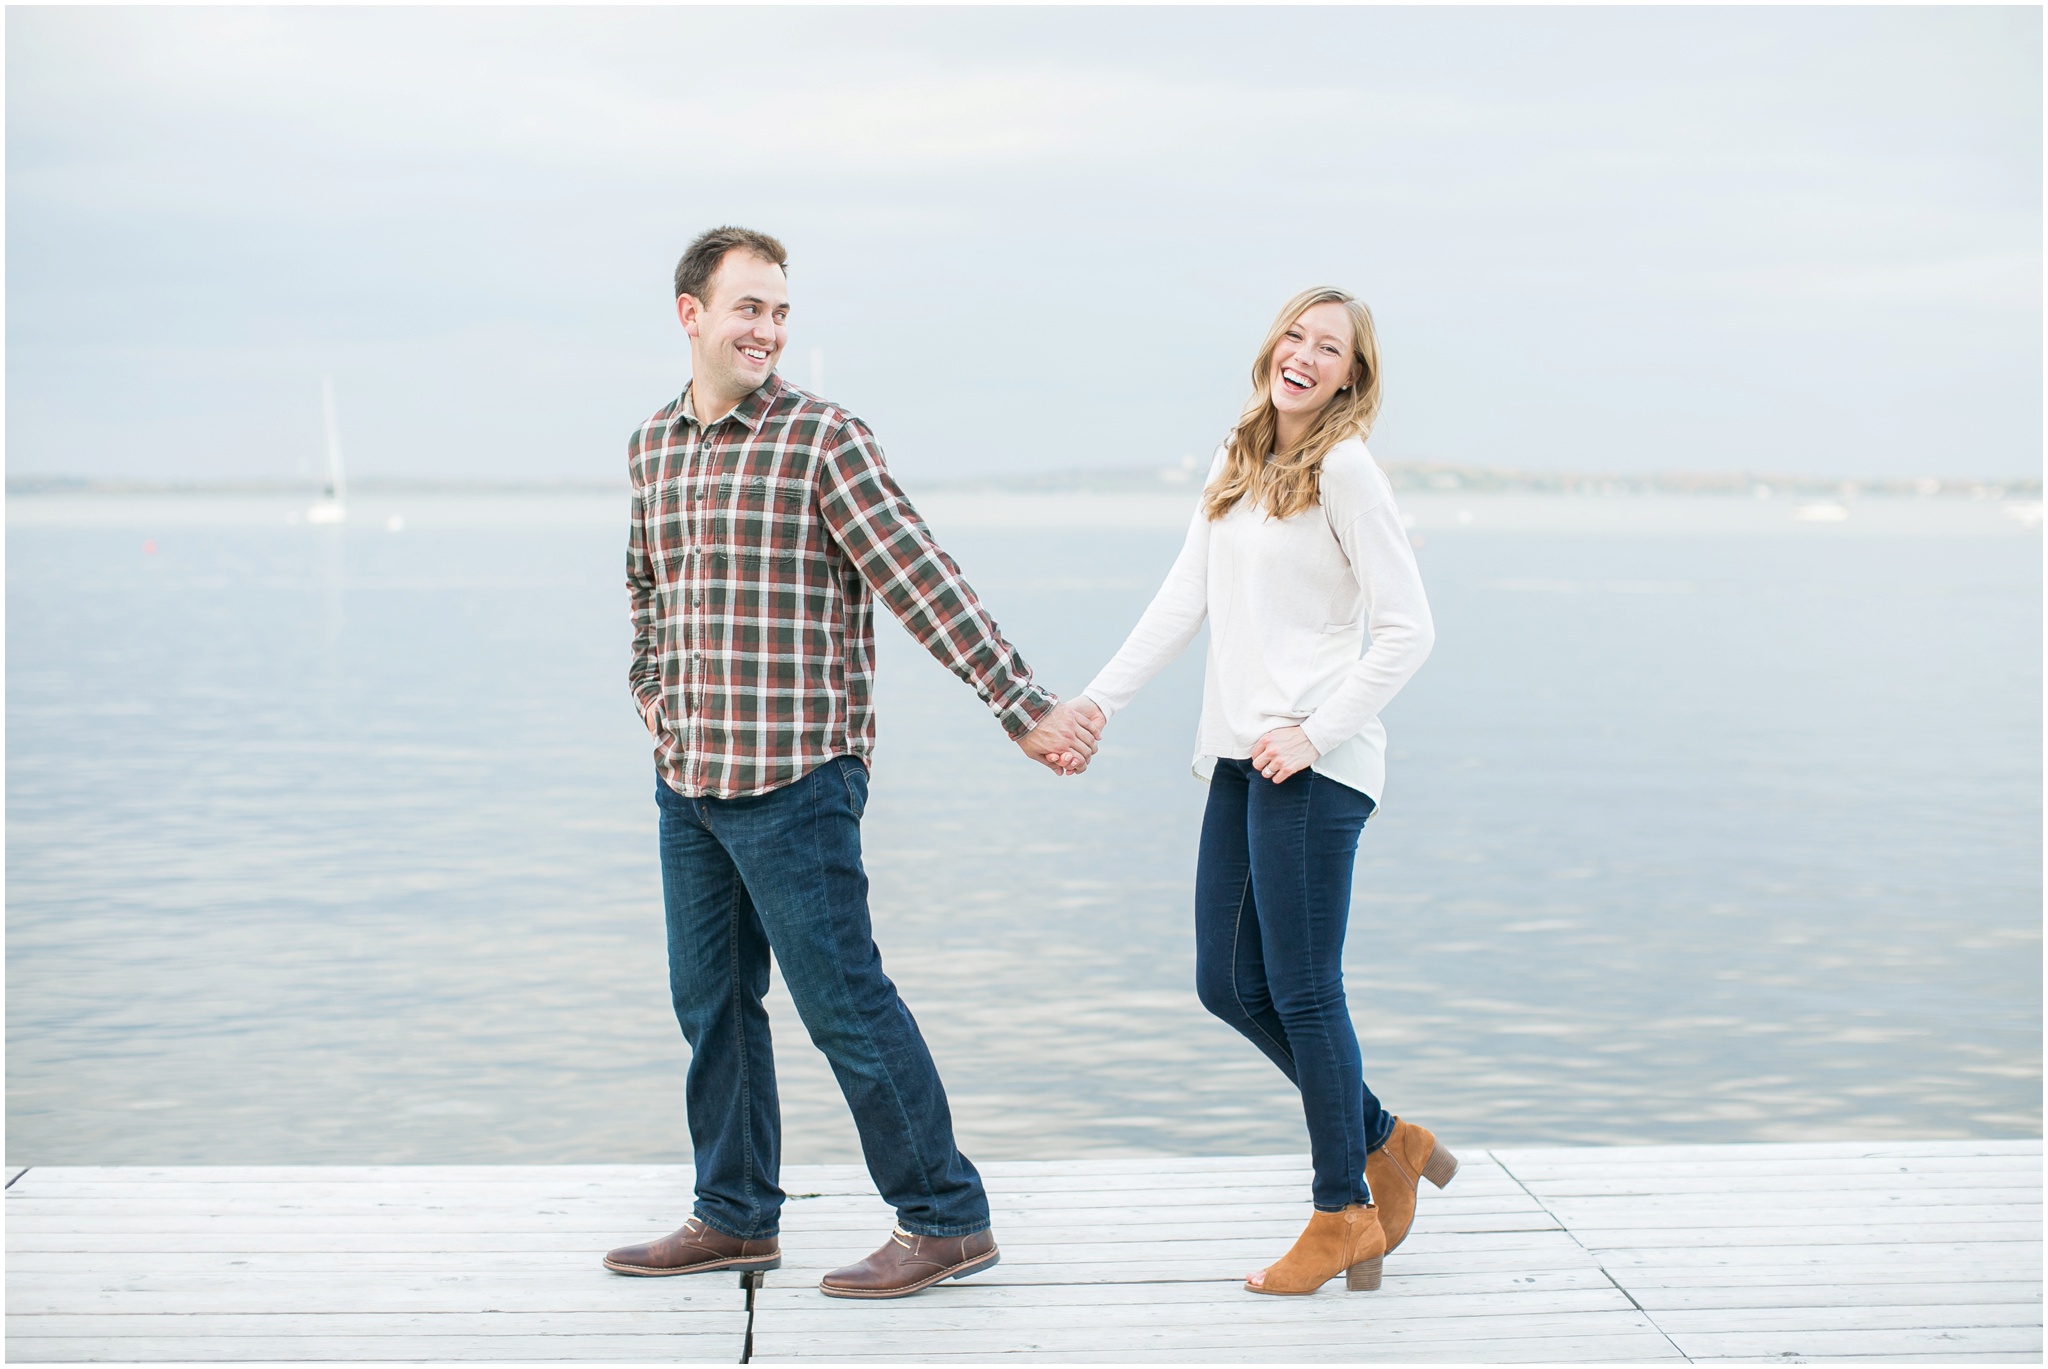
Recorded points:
(764, 522)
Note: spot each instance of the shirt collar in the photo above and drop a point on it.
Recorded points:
(748, 412)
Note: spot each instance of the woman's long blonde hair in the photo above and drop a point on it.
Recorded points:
(1288, 483)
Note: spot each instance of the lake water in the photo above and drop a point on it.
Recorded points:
(333, 844)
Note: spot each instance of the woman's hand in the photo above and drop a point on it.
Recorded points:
(1283, 753)
(1064, 738)
(1073, 763)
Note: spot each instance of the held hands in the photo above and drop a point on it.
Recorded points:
(1283, 753)
(1065, 738)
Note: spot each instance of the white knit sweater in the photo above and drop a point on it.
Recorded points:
(1291, 607)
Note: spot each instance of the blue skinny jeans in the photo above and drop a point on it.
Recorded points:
(1272, 899)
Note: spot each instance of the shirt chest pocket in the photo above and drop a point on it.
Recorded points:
(758, 516)
(739, 494)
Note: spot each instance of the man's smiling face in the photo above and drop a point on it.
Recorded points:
(736, 334)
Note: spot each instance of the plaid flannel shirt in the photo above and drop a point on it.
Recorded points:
(757, 544)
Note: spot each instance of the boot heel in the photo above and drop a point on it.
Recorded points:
(1363, 1277)
(1441, 1167)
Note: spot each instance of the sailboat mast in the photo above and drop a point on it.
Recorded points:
(334, 481)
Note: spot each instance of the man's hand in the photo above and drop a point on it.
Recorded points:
(651, 715)
(1091, 717)
(1283, 753)
(1065, 738)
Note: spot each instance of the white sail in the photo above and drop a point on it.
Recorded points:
(332, 505)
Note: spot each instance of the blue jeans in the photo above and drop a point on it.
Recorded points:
(781, 872)
(1272, 897)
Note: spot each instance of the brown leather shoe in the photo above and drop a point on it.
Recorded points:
(696, 1249)
(1393, 1171)
(907, 1264)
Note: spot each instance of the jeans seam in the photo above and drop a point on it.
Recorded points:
(732, 947)
(903, 1118)
(859, 806)
(1311, 944)
(1237, 937)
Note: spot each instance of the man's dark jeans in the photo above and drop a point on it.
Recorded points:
(781, 872)
(1272, 900)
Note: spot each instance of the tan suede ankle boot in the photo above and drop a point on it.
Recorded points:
(1348, 1242)
(1392, 1172)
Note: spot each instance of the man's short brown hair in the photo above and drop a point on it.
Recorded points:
(700, 261)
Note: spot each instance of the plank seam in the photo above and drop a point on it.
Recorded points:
(1598, 1262)
(751, 1280)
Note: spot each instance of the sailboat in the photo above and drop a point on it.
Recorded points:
(329, 507)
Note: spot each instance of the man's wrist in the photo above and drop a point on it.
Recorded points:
(1024, 716)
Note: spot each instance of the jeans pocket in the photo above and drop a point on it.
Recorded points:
(855, 776)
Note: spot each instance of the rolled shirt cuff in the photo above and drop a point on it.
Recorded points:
(1026, 711)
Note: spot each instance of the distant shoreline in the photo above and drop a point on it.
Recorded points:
(1418, 477)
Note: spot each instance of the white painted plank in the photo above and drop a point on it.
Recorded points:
(1624, 1214)
(1078, 1190)
(1884, 1289)
(797, 1243)
(719, 1349)
(1217, 1306)
(1408, 1288)
(1230, 1265)
(455, 1211)
(1146, 1164)
(1740, 1151)
(1679, 1261)
(1942, 1200)
(1227, 1269)
(1363, 1337)
(1889, 1344)
(1917, 1317)
(2024, 1182)
(1942, 1357)
(1622, 1348)
(153, 1326)
(1872, 1233)
(1735, 1172)
(1055, 1249)
(971, 1330)
(153, 1232)
(116, 1290)
(237, 1175)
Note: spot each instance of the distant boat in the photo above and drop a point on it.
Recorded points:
(331, 507)
(1821, 513)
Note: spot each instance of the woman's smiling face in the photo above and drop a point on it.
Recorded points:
(1311, 363)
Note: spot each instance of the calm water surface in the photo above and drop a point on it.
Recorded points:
(337, 844)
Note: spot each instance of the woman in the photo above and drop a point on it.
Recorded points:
(1296, 553)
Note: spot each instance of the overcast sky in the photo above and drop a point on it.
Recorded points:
(1595, 239)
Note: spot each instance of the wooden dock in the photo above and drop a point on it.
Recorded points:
(1925, 1251)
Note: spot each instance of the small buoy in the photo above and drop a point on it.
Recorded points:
(149, 548)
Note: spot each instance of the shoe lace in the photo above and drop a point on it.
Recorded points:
(904, 1239)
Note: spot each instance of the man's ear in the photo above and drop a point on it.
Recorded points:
(689, 313)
